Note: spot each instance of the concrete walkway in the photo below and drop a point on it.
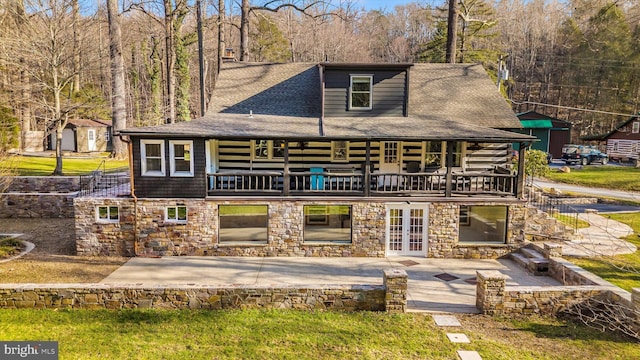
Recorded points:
(435, 285)
(601, 238)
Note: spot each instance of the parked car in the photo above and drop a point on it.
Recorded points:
(583, 154)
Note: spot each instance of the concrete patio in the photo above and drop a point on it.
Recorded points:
(435, 285)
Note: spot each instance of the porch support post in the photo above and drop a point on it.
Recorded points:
(367, 170)
(449, 163)
(521, 174)
(285, 180)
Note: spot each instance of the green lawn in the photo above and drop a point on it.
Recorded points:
(621, 270)
(609, 177)
(278, 334)
(43, 166)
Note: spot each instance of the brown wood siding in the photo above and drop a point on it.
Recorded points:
(626, 132)
(171, 186)
(389, 98)
(557, 139)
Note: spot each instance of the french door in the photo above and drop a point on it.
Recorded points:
(407, 229)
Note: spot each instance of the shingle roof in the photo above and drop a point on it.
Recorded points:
(288, 127)
(458, 92)
(452, 101)
(271, 89)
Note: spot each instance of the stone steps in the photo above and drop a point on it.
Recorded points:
(531, 260)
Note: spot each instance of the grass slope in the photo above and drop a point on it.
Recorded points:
(279, 334)
(43, 166)
(608, 177)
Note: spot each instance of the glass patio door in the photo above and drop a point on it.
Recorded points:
(407, 229)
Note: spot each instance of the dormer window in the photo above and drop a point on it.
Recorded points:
(360, 92)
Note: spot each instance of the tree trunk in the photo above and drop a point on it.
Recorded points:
(451, 31)
(170, 55)
(58, 169)
(118, 103)
(221, 38)
(76, 47)
(244, 31)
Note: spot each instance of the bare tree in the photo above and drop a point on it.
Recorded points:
(43, 48)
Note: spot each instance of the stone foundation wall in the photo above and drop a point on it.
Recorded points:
(152, 235)
(36, 205)
(199, 236)
(44, 184)
(391, 297)
(444, 232)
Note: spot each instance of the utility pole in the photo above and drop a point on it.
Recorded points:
(503, 74)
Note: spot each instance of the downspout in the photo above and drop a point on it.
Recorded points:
(322, 88)
(133, 195)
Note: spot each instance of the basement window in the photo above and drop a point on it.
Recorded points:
(327, 224)
(243, 224)
(483, 224)
(107, 214)
(176, 214)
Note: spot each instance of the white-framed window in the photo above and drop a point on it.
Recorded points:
(107, 214)
(340, 150)
(267, 149)
(181, 157)
(107, 136)
(360, 92)
(635, 127)
(176, 214)
(152, 157)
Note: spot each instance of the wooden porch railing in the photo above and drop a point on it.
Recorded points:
(354, 184)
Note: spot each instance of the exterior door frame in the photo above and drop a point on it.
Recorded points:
(406, 233)
(91, 140)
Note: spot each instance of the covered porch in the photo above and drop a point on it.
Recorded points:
(368, 168)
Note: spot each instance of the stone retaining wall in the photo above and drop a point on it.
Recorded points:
(44, 184)
(390, 297)
(36, 205)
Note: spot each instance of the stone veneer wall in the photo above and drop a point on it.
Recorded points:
(44, 184)
(444, 228)
(392, 296)
(199, 236)
(36, 205)
(39, 197)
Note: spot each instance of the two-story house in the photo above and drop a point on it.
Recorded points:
(324, 160)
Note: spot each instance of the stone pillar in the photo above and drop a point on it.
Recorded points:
(552, 250)
(395, 285)
(490, 292)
